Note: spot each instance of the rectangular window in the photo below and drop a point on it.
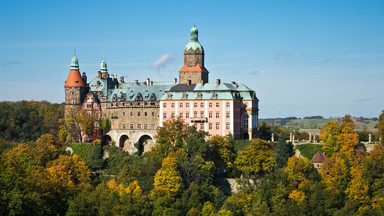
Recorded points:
(210, 115)
(173, 105)
(201, 126)
(210, 104)
(153, 113)
(186, 115)
(195, 115)
(217, 126)
(195, 125)
(227, 104)
(227, 126)
(111, 115)
(187, 105)
(145, 114)
(130, 126)
(146, 126)
(181, 115)
(165, 115)
(123, 126)
(210, 126)
(217, 115)
(227, 115)
(201, 104)
(195, 105)
(138, 113)
(173, 115)
(153, 126)
(181, 104)
(139, 126)
(202, 114)
(123, 113)
(164, 105)
(217, 105)
(131, 113)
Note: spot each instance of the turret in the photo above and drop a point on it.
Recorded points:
(75, 85)
(193, 68)
(103, 69)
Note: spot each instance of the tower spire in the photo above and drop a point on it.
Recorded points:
(74, 62)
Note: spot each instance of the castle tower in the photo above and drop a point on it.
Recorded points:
(103, 69)
(75, 87)
(193, 68)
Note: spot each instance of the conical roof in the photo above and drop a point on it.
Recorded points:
(319, 157)
(74, 78)
(194, 43)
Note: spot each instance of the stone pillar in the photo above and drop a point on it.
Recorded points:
(273, 138)
(314, 138)
(370, 138)
(310, 137)
(290, 137)
(293, 139)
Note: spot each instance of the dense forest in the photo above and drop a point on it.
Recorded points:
(185, 173)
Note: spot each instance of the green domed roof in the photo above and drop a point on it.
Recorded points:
(74, 62)
(103, 67)
(194, 43)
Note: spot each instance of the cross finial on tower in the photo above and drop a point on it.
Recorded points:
(194, 23)
(74, 52)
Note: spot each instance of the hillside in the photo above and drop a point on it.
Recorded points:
(315, 123)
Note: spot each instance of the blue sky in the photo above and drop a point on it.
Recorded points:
(302, 58)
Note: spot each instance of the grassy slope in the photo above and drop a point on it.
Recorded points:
(308, 150)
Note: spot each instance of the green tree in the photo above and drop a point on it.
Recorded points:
(381, 126)
(221, 152)
(283, 151)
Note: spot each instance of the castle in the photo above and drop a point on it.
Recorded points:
(136, 109)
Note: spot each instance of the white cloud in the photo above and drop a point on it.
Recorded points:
(163, 61)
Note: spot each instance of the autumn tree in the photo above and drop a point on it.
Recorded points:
(167, 179)
(298, 169)
(220, 152)
(335, 173)
(256, 158)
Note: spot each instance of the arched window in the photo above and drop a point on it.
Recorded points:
(245, 120)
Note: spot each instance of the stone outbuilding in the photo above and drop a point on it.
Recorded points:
(318, 160)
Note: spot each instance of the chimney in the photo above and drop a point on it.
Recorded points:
(151, 83)
(84, 78)
(113, 78)
(218, 82)
(175, 80)
(233, 82)
(121, 79)
(136, 81)
(148, 81)
(202, 82)
(99, 74)
(145, 83)
(189, 83)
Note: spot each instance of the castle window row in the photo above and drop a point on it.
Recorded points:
(194, 105)
(139, 126)
(195, 114)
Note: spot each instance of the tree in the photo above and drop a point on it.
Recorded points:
(256, 158)
(167, 178)
(335, 173)
(264, 131)
(329, 135)
(283, 151)
(46, 149)
(358, 186)
(221, 152)
(380, 126)
(298, 168)
(195, 142)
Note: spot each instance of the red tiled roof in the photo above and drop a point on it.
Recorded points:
(197, 68)
(74, 79)
(319, 157)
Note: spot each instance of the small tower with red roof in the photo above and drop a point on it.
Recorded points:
(75, 86)
(193, 70)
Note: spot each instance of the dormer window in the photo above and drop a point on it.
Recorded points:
(169, 96)
(214, 95)
(199, 95)
(185, 96)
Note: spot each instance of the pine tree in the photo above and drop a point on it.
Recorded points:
(283, 151)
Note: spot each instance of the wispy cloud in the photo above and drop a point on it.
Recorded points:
(254, 72)
(9, 63)
(283, 55)
(163, 61)
(326, 61)
(360, 100)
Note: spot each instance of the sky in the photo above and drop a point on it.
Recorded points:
(302, 58)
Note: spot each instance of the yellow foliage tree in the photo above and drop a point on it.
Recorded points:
(256, 157)
(297, 195)
(297, 168)
(167, 178)
(132, 189)
(335, 173)
(330, 137)
(358, 186)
